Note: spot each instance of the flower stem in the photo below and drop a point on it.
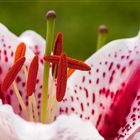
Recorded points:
(102, 36)
(50, 34)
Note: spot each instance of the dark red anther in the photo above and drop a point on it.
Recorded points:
(12, 73)
(77, 64)
(61, 77)
(20, 51)
(57, 50)
(32, 76)
(72, 63)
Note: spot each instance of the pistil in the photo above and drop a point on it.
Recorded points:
(102, 36)
(50, 34)
(52, 102)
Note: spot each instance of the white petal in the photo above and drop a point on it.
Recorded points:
(8, 45)
(12, 127)
(91, 94)
(35, 42)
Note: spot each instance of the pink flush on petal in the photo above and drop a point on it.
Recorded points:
(121, 106)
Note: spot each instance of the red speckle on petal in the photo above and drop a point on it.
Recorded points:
(72, 109)
(11, 92)
(5, 53)
(118, 66)
(97, 70)
(81, 116)
(66, 110)
(82, 107)
(75, 91)
(6, 59)
(104, 74)
(90, 81)
(110, 67)
(83, 79)
(92, 112)
(0, 70)
(72, 99)
(12, 54)
(106, 62)
(123, 69)
(131, 61)
(93, 98)
(98, 121)
(18, 79)
(86, 91)
(97, 81)
(122, 57)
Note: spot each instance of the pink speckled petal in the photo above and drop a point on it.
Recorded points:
(8, 44)
(110, 91)
(12, 127)
(35, 42)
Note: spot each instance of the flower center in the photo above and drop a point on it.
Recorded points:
(62, 67)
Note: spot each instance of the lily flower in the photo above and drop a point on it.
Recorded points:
(103, 103)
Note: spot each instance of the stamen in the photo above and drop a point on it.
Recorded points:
(9, 79)
(20, 51)
(30, 110)
(31, 83)
(34, 107)
(72, 63)
(61, 77)
(52, 102)
(58, 44)
(32, 76)
(21, 102)
(12, 73)
(57, 51)
(25, 71)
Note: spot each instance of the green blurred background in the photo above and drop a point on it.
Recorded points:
(78, 20)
